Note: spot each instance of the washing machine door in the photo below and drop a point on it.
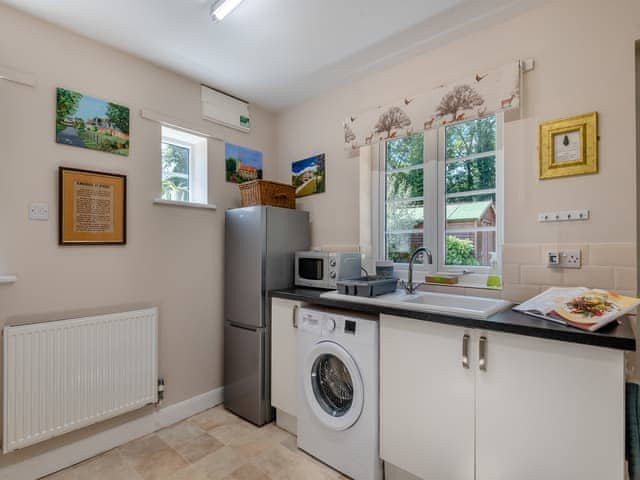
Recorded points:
(333, 385)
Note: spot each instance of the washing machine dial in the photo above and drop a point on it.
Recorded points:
(331, 324)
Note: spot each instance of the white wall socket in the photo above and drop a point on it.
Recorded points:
(39, 211)
(564, 259)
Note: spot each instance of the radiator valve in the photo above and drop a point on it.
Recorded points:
(160, 390)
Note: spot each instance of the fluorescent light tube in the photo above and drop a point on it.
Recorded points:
(222, 8)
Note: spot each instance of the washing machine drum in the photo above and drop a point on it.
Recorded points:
(333, 386)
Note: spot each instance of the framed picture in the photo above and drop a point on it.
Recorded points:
(92, 207)
(308, 175)
(87, 122)
(569, 146)
(242, 164)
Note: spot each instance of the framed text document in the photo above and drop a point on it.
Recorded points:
(92, 207)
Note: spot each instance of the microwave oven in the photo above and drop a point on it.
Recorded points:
(323, 269)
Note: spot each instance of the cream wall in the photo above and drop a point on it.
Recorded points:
(584, 53)
(173, 257)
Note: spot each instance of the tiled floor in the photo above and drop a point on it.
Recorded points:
(211, 445)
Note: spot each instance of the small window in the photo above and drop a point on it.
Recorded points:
(184, 166)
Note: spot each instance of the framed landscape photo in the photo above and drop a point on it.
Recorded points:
(87, 122)
(92, 207)
(308, 175)
(568, 146)
(242, 164)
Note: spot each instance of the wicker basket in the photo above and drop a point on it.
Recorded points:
(264, 192)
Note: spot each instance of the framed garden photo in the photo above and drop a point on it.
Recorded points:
(568, 146)
(92, 207)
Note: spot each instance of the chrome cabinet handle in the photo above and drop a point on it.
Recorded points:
(294, 320)
(465, 351)
(482, 354)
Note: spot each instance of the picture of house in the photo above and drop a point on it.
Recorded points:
(242, 164)
(87, 122)
(308, 175)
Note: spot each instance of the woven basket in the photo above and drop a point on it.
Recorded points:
(264, 192)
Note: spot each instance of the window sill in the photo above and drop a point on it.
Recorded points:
(469, 280)
(7, 279)
(176, 203)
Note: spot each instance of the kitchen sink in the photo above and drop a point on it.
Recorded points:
(431, 302)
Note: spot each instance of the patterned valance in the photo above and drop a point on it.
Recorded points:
(482, 94)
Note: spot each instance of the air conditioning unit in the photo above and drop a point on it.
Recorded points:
(225, 110)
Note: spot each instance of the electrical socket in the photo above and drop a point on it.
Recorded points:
(564, 259)
(39, 211)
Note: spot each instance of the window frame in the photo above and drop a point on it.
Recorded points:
(434, 194)
(198, 161)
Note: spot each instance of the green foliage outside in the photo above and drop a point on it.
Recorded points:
(462, 140)
(460, 252)
(175, 172)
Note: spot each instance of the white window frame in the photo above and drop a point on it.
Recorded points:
(434, 232)
(198, 160)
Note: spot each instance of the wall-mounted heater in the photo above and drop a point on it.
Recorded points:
(225, 110)
(64, 375)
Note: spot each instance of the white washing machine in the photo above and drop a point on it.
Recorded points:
(338, 391)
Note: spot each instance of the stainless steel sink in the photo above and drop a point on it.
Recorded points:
(443, 303)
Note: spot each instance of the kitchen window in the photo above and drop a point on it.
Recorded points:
(184, 166)
(442, 189)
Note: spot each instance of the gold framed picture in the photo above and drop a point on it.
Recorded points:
(92, 207)
(568, 146)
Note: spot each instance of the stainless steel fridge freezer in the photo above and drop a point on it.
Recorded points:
(260, 243)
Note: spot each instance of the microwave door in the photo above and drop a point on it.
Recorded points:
(311, 269)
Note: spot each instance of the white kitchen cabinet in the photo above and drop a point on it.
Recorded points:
(549, 410)
(284, 355)
(537, 409)
(426, 399)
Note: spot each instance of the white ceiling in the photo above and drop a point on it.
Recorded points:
(275, 53)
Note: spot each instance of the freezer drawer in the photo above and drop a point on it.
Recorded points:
(244, 373)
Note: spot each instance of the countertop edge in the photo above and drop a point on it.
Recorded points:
(618, 337)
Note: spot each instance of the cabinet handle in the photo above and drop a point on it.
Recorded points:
(482, 354)
(465, 351)
(294, 320)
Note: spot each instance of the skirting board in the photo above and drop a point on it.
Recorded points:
(63, 457)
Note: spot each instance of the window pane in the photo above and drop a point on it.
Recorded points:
(469, 175)
(175, 172)
(400, 246)
(472, 211)
(405, 152)
(405, 216)
(472, 137)
(409, 184)
(471, 248)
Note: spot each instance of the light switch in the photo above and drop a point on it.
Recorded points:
(39, 211)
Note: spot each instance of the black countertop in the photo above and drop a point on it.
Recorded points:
(617, 335)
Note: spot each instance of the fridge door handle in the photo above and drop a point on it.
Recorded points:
(294, 320)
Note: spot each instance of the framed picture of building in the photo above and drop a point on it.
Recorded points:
(242, 164)
(308, 175)
(87, 122)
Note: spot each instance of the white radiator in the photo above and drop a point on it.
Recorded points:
(64, 375)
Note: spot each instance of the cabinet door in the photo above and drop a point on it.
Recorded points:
(549, 410)
(426, 399)
(283, 355)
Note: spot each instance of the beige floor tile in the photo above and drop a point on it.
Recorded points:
(275, 460)
(189, 473)
(290, 442)
(248, 472)
(214, 417)
(235, 434)
(152, 458)
(221, 463)
(179, 433)
(199, 447)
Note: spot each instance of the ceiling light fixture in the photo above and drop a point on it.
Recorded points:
(222, 8)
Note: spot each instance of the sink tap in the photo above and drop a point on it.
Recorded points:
(409, 287)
